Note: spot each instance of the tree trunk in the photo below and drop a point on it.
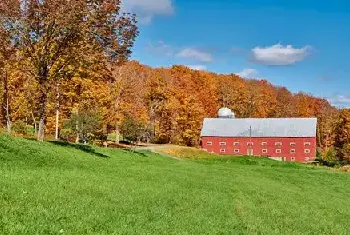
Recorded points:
(8, 119)
(34, 122)
(6, 106)
(57, 121)
(44, 90)
(117, 134)
(42, 115)
(77, 139)
(57, 111)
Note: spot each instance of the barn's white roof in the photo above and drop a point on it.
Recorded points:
(260, 127)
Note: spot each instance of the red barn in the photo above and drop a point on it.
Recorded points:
(285, 139)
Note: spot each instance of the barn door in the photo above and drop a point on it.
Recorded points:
(250, 152)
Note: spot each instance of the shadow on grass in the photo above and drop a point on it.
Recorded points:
(138, 152)
(84, 148)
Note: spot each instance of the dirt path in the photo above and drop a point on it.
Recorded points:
(156, 148)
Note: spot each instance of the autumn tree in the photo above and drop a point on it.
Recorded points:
(188, 121)
(7, 56)
(157, 95)
(234, 94)
(285, 103)
(308, 106)
(262, 102)
(187, 108)
(57, 35)
(342, 136)
(327, 124)
(126, 95)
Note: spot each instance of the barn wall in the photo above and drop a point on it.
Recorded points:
(257, 147)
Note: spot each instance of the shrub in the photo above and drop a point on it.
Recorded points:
(345, 168)
(345, 151)
(20, 128)
(319, 154)
(330, 155)
(67, 134)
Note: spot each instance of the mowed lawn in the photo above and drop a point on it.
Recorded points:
(47, 188)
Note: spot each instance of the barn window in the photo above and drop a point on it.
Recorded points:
(236, 143)
(264, 151)
(292, 151)
(307, 144)
(222, 150)
(292, 159)
(250, 144)
(278, 144)
(236, 150)
(209, 143)
(222, 143)
(307, 151)
(264, 143)
(278, 151)
(292, 143)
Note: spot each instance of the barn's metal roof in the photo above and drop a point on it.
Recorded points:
(260, 127)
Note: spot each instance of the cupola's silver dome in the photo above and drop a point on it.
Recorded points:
(225, 113)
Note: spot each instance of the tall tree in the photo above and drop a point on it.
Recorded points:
(57, 35)
(7, 54)
(6, 108)
(285, 106)
(342, 138)
(155, 98)
(327, 123)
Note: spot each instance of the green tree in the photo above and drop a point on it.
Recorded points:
(131, 129)
(84, 123)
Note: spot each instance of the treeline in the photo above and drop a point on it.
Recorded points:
(166, 105)
(63, 72)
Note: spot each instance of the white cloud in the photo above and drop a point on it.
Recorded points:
(160, 48)
(340, 100)
(198, 67)
(248, 73)
(279, 54)
(194, 54)
(163, 49)
(147, 9)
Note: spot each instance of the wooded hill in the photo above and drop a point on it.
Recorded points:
(169, 104)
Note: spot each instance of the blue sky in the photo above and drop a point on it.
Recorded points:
(302, 45)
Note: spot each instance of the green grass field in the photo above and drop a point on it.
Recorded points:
(48, 188)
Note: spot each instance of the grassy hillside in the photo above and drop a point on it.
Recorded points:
(48, 188)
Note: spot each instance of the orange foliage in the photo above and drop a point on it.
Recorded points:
(172, 102)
